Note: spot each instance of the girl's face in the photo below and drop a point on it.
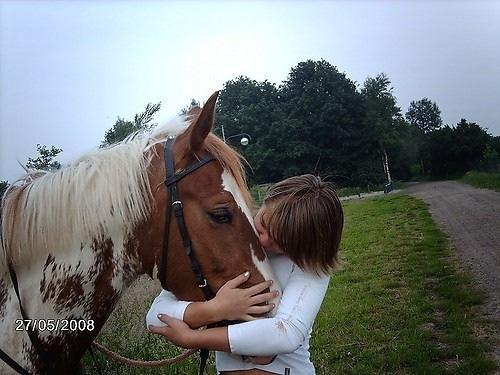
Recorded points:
(265, 240)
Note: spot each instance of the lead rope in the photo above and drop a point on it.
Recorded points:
(138, 363)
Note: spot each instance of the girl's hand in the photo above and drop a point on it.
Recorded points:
(175, 331)
(232, 303)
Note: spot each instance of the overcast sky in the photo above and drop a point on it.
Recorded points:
(69, 68)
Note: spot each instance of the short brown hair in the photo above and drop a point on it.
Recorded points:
(305, 218)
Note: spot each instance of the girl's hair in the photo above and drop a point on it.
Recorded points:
(305, 218)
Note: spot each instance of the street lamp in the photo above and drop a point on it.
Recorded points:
(245, 137)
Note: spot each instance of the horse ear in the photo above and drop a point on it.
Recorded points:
(203, 124)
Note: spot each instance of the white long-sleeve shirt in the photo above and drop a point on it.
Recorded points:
(286, 334)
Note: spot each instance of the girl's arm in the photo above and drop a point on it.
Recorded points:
(166, 303)
(301, 300)
(300, 303)
(179, 333)
(230, 303)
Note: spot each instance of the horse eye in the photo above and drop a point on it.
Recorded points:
(221, 216)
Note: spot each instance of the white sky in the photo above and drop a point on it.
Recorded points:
(69, 68)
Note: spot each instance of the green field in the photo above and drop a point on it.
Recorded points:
(482, 180)
(399, 305)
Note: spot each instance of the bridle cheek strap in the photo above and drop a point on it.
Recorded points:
(175, 203)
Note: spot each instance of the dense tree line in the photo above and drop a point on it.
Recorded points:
(318, 120)
(3, 187)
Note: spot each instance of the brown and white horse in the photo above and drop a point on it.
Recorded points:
(79, 236)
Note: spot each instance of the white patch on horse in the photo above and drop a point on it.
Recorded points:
(117, 281)
(79, 262)
(264, 267)
(11, 340)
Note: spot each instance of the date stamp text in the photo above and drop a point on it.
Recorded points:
(55, 325)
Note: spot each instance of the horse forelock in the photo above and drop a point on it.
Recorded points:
(231, 161)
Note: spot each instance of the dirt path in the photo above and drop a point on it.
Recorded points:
(471, 219)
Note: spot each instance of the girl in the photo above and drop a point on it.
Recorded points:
(300, 226)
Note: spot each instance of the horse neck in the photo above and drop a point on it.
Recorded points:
(82, 283)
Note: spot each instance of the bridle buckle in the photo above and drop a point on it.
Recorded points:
(203, 285)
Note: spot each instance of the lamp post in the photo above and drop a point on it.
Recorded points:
(245, 137)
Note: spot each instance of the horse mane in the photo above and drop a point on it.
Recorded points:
(100, 192)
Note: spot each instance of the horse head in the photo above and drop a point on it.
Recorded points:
(216, 205)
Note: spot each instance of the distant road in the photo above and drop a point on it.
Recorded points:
(471, 218)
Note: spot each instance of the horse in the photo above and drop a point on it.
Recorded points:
(74, 239)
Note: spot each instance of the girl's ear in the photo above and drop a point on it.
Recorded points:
(203, 124)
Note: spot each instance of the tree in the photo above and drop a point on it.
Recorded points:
(123, 128)
(383, 116)
(322, 128)
(495, 143)
(248, 106)
(45, 159)
(439, 151)
(3, 187)
(405, 151)
(455, 150)
(194, 103)
(472, 141)
(425, 115)
(491, 156)
(144, 120)
(490, 160)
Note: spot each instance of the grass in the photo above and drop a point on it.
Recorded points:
(125, 333)
(259, 192)
(400, 305)
(482, 180)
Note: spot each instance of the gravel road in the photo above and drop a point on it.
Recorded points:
(471, 218)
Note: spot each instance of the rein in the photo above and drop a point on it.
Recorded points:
(171, 180)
